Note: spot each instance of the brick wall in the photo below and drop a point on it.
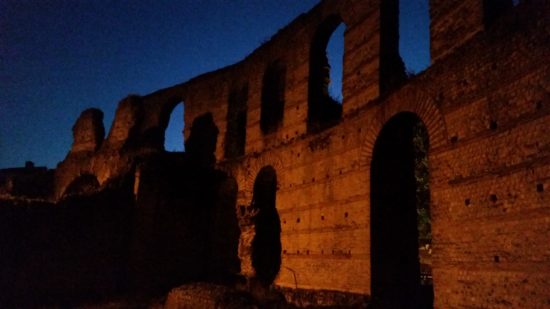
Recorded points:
(485, 103)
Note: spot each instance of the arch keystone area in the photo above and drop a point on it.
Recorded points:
(407, 100)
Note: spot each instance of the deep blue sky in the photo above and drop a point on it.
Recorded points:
(59, 57)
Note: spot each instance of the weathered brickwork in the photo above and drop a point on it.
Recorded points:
(485, 102)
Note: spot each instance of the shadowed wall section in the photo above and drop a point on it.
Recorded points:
(266, 245)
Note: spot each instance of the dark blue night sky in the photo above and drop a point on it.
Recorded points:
(59, 57)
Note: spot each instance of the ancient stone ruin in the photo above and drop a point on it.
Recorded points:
(427, 191)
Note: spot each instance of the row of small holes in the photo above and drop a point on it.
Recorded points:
(493, 125)
(322, 218)
(313, 179)
(493, 197)
(343, 136)
(322, 252)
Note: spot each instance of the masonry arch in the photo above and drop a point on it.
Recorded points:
(400, 215)
(266, 245)
(324, 110)
(273, 97)
(406, 100)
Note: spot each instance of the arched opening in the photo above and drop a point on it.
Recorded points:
(83, 184)
(400, 216)
(273, 97)
(335, 56)
(173, 135)
(266, 245)
(325, 75)
(414, 35)
(235, 135)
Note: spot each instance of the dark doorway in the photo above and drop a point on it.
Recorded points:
(266, 245)
(400, 218)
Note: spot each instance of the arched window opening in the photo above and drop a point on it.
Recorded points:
(400, 216)
(273, 97)
(335, 56)
(266, 245)
(235, 135)
(325, 75)
(174, 136)
(414, 35)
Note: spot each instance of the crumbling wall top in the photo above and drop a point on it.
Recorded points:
(88, 131)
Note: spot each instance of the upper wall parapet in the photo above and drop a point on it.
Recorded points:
(454, 22)
(293, 48)
(88, 131)
(371, 68)
(281, 73)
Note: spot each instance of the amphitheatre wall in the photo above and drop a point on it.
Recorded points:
(484, 101)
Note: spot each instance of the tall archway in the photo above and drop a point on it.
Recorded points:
(266, 245)
(323, 109)
(400, 216)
